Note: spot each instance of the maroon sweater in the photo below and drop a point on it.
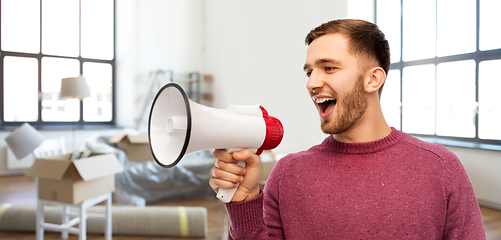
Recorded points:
(395, 188)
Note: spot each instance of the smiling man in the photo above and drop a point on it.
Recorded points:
(365, 180)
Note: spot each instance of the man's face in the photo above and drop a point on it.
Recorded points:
(335, 83)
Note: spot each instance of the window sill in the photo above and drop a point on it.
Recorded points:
(464, 144)
(67, 127)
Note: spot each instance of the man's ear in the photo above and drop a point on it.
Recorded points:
(375, 80)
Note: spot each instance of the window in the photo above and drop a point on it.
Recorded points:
(43, 41)
(443, 81)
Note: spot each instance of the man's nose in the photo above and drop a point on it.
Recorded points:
(315, 81)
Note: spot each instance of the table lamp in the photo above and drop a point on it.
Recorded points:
(23, 140)
(74, 87)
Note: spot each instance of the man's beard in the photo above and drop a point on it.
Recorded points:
(349, 110)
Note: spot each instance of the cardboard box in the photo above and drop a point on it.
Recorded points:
(136, 147)
(63, 180)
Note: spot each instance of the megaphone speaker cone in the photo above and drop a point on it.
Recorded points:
(169, 125)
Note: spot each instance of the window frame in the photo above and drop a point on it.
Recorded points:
(478, 56)
(60, 125)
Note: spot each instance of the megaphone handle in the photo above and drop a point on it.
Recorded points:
(226, 195)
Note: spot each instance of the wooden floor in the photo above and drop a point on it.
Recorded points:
(21, 190)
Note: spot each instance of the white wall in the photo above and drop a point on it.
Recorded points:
(256, 52)
(170, 35)
(126, 60)
(153, 35)
(483, 167)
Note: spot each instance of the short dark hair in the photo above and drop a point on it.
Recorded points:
(365, 39)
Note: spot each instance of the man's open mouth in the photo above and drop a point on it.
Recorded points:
(326, 105)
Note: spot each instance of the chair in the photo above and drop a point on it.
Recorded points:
(80, 217)
(53, 147)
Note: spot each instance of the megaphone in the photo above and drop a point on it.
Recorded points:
(178, 126)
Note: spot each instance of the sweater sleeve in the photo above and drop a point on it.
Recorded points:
(246, 219)
(258, 218)
(464, 220)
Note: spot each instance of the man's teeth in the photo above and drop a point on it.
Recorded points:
(322, 100)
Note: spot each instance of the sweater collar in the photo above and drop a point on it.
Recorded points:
(361, 148)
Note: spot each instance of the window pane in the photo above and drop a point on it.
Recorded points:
(98, 107)
(390, 99)
(418, 100)
(21, 26)
(456, 104)
(419, 29)
(388, 20)
(490, 19)
(97, 29)
(60, 20)
(20, 89)
(457, 24)
(489, 116)
(53, 70)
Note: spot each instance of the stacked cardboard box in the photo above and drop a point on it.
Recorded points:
(136, 147)
(73, 181)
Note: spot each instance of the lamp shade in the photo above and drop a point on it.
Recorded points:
(74, 87)
(23, 140)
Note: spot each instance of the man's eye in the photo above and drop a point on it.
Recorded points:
(329, 68)
(308, 74)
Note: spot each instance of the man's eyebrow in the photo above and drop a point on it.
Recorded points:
(320, 61)
(327, 60)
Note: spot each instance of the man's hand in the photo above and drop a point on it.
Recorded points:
(227, 174)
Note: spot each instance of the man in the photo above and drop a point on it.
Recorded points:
(365, 180)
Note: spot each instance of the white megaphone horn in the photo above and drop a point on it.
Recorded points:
(178, 126)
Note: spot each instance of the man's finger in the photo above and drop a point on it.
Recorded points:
(222, 155)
